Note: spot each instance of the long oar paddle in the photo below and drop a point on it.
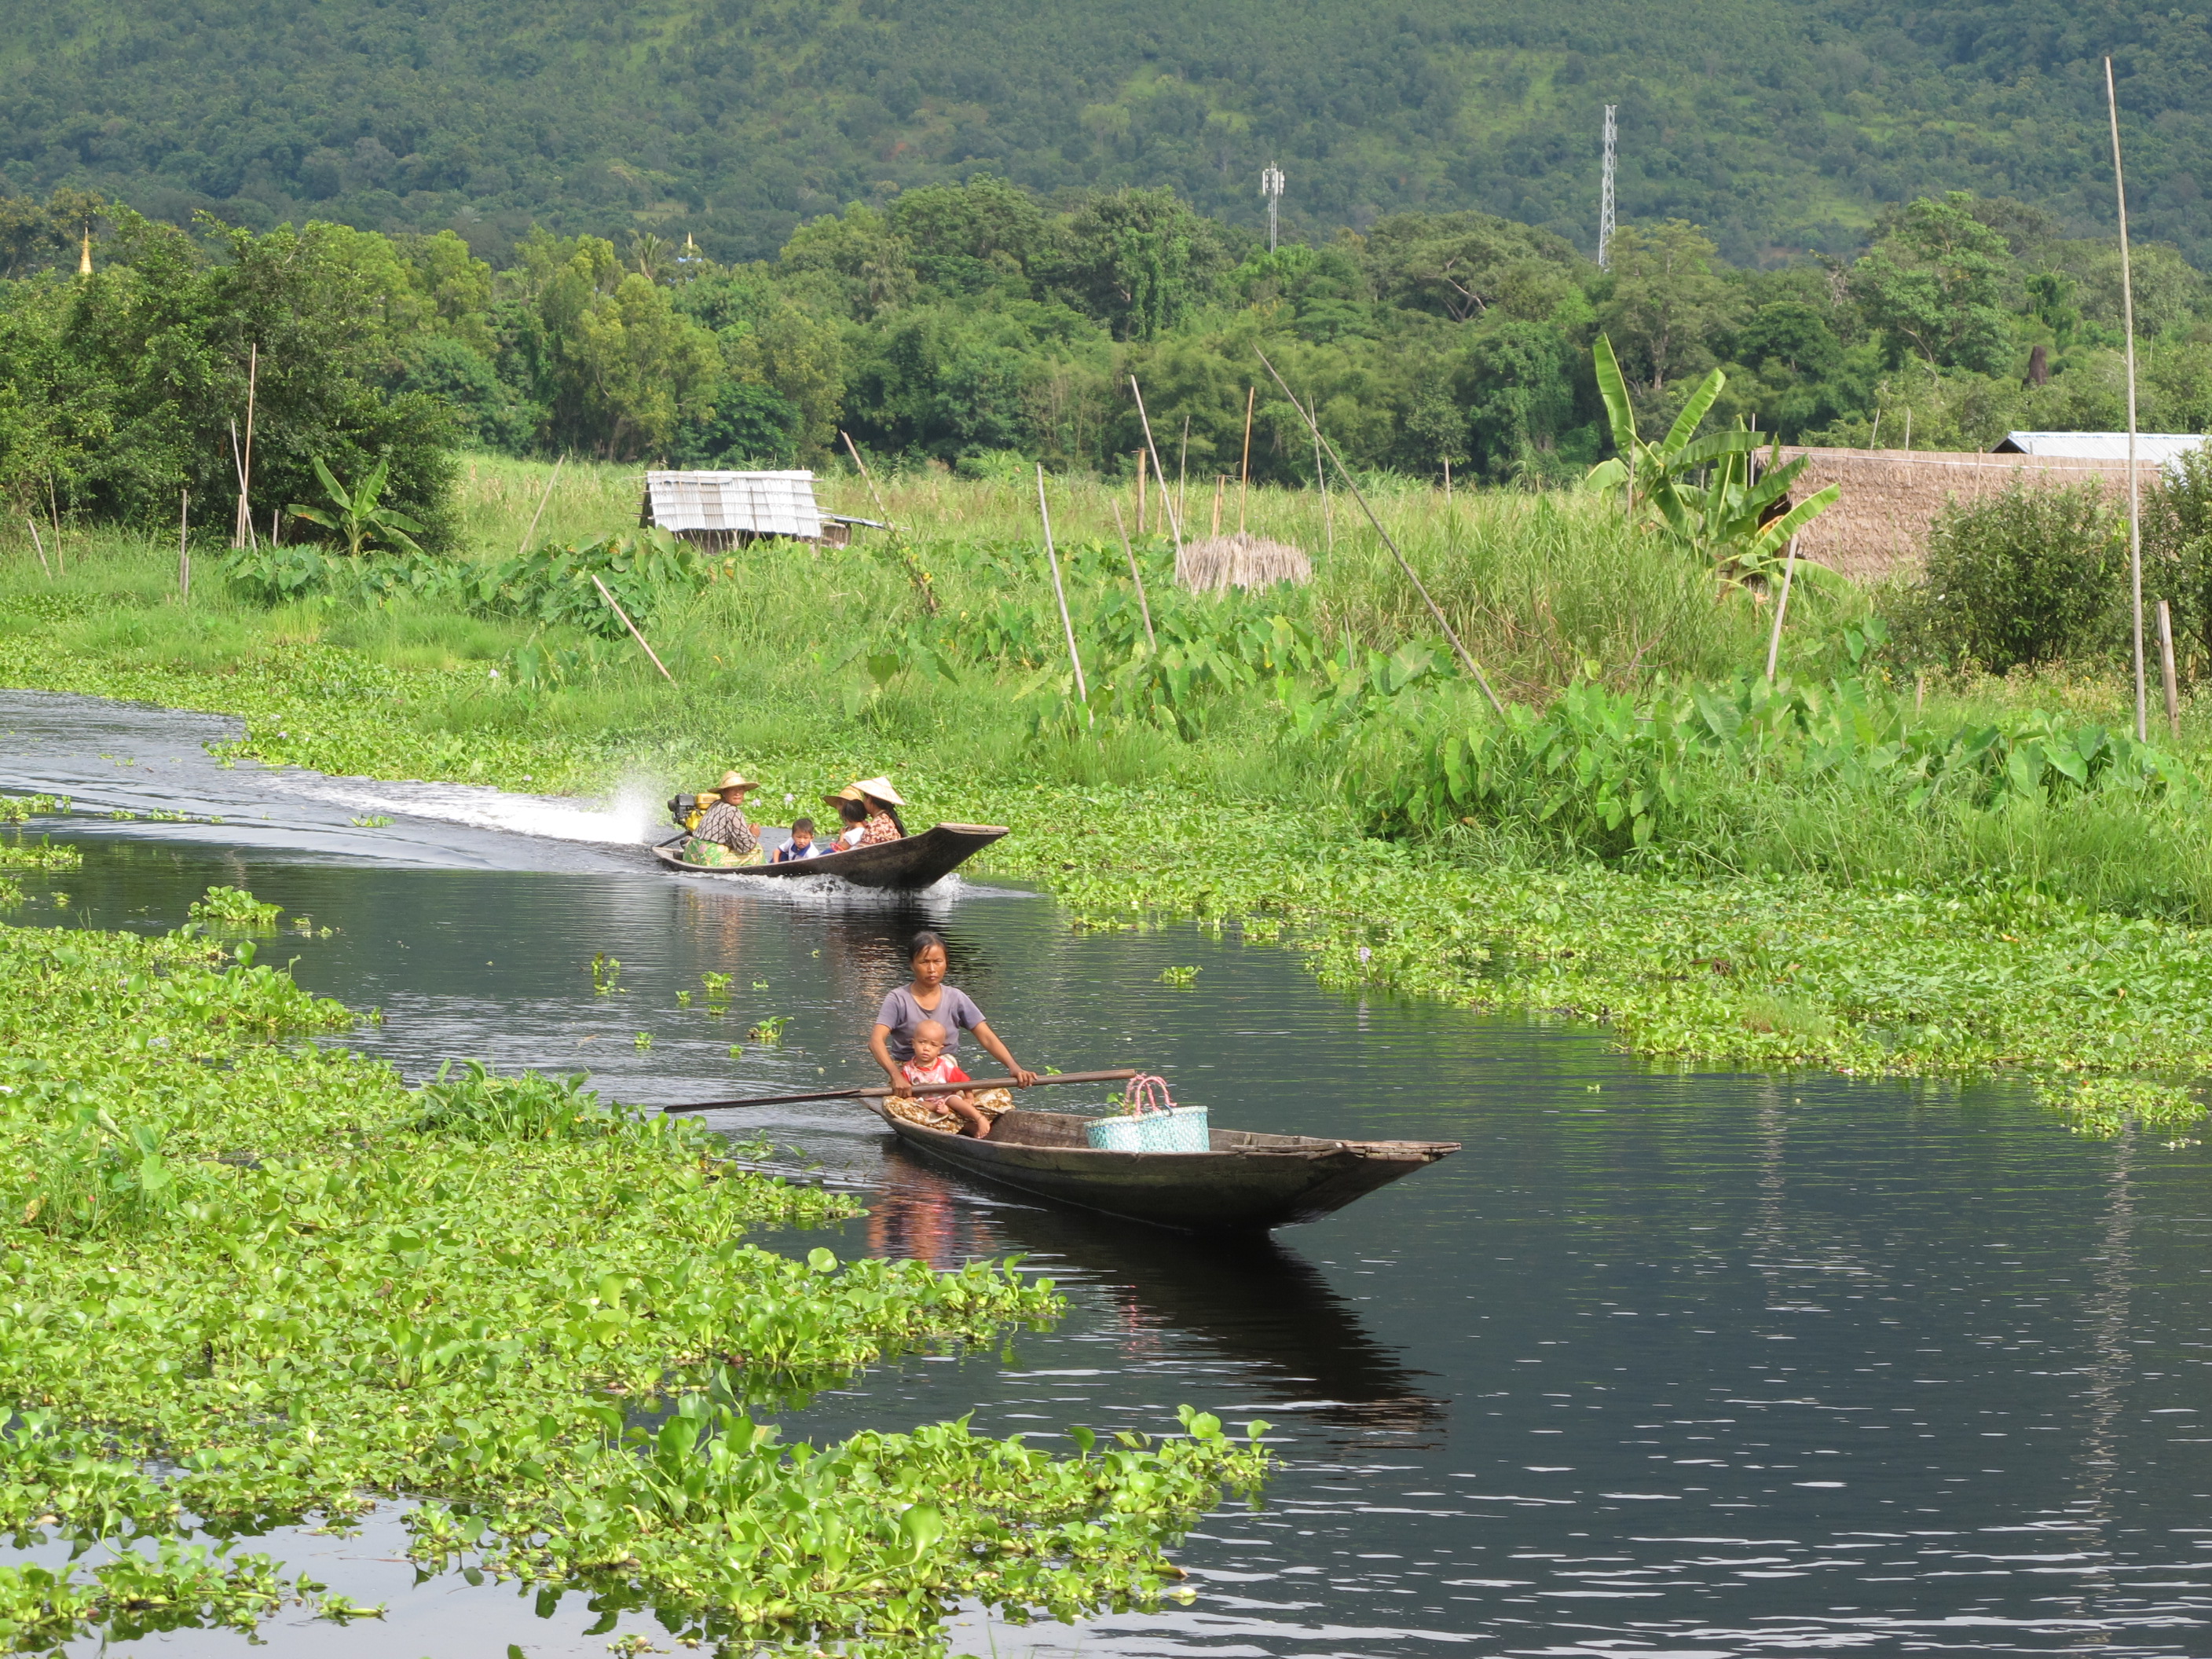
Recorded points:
(1120, 1075)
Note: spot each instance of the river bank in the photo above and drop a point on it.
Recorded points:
(2111, 1011)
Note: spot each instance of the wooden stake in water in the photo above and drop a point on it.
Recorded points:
(632, 626)
(546, 496)
(184, 544)
(1244, 474)
(1167, 502)
(1781, 606)
(1144, 607)
(1052, 558)
(1436, 611)
(2165, 669)
(2135, 495)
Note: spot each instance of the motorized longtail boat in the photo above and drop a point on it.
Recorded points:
(912, 862)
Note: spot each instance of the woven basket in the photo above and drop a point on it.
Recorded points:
(1152, 1123)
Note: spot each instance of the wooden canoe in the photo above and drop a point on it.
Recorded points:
(914, 861)
(1248, 1182)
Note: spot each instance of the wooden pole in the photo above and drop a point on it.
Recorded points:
(2166, 668)
(184, 544)
(545, 495)
(1052, 558)
(1244, 475)
(245, 465)
(1141, 492)
(632, 626)
(54, 518)
(1144, 607)
(1167, 502)
(1447, 481)
(2135, 495)
(238, 472)
(867, 477)
(1220, 482)
(1120, 1075)
(31, 520)
(1782, 605)
(1321, 476)
(1182, 474)
(1436, 611)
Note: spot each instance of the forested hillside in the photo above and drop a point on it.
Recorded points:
(1776, 127)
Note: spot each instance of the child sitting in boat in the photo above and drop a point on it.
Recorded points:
(802, 844)
(971, 1115)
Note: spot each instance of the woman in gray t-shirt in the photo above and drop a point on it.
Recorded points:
(930, 998)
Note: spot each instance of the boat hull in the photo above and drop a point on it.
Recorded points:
(1246, 1183)
(913, 861)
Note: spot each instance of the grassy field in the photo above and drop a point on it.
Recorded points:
(1805, 913)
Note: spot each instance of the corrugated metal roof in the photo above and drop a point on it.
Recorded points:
(765, 503)
(2152, 448)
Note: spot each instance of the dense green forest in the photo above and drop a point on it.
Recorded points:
(1779, 128)
(976, 326)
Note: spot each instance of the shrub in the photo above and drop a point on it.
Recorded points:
(2029, 576)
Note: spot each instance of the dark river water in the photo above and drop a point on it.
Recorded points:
(1679, 1366)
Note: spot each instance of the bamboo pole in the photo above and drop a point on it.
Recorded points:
(54, 518)
(1436, 611)
(1321, 476)
(1220, 482)
(1141, 492)
(2135, 493)
(632, 626)
(238, 472)
(1781, 606)
(184, 544)
(866, 477)
(32, 519)
(1059, 593)
(2165, 669)
(1183, 473)
(544, 496)
(1447, 481)
(246, 466)
(1144, 606)
(1167, 502)
(880, 1093)
(1244, 474)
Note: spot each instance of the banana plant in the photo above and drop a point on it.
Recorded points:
(356, 516)
(1700, 491)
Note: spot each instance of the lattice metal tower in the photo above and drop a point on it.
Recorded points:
(1604, 197)
(1271, 187)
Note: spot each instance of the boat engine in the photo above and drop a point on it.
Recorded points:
(688, 810)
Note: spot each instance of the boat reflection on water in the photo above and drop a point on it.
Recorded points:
(1250, 1300)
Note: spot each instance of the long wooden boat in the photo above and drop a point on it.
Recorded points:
(914, 861)
(1248, 1182)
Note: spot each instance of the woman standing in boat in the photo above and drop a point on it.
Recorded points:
(929, 998)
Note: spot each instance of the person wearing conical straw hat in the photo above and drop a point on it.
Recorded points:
(723, 835)
(880, 802)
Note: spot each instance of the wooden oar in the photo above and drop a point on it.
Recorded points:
(1122, 1075)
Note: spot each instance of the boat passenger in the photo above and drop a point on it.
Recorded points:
(802, 844)
(723, 835)
(883, 803)
(959, 1113)
(929, 1000)
(853, 814)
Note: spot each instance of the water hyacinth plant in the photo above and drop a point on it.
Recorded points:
(535, 1313)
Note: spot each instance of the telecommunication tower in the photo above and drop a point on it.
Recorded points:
(1605, 195)
(1271, 187)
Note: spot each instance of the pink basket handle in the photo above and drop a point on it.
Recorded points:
(1146, 1093)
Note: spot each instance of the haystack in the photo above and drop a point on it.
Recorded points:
(1890, 498)
(1242, 559)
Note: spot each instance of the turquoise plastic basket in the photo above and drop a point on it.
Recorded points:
(1151, 1123)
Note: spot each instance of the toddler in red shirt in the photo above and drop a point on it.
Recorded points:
(931, 1064)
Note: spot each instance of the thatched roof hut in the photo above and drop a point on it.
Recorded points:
(1890, 497)
(1242, 559)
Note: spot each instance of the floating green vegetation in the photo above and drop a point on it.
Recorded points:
(1183, 978)
(769, 1030)
(373, 821)
(248, 1279)
(18, 854)
(233, 908)
(18, 808)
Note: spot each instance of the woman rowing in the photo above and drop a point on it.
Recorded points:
(723, 835)
(928, 999)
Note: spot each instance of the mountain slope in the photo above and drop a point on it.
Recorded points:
(1776, 126)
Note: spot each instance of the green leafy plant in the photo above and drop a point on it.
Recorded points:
(358, 516)
(1182, 977)
(233, 908)
(768, 1031)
